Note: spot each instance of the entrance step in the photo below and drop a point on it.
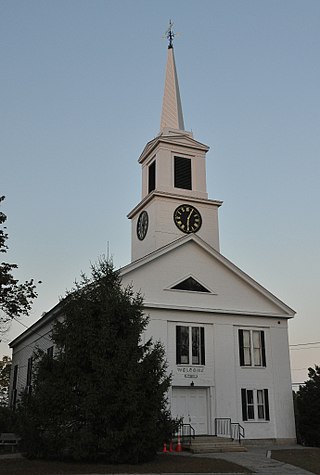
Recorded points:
(213, 444)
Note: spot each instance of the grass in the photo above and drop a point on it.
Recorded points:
(307, 458)
(163, 463)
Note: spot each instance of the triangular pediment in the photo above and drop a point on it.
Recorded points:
(174, 138)
(234, 291)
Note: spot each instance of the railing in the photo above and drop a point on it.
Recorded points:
(186, 432)
(225, 428)
(237, 431)
(222, 426)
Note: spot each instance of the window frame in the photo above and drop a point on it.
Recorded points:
(255, 402)
(195, 343)
(248, 350)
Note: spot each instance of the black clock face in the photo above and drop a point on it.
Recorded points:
(187, 218)
(142, 225)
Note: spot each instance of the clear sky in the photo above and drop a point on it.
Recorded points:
(81, 87)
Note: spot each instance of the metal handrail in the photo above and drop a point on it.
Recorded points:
(237, 431)
(186, 432)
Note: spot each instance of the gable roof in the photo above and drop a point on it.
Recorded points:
(235, 292)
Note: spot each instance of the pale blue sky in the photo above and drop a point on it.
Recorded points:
(81, 88)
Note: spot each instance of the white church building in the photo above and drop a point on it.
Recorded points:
(226, 337)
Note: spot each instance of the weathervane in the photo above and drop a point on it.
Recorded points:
(170, 34)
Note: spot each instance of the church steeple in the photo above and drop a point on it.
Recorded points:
(174, 199)
(171, 116)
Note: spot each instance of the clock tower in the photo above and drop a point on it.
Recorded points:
(174, 198)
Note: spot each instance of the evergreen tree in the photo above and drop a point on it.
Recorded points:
(308, 409)
(103, 393)
(15, 298)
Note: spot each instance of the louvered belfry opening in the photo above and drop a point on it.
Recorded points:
(152, 177)
(182, 173)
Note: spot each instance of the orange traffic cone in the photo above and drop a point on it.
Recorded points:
(164, 447)
(179, 448)
(170, 446)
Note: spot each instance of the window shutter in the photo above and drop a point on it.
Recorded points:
(15, 377)
(263, 349)
(203, 353)
(29, 372)
(244, 404)
(241, 353)
(266, 403)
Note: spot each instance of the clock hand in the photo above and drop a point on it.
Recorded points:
(188, 219)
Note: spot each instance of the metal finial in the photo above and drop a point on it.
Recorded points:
(170, 34)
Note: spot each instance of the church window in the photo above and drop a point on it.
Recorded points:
(255, 404)
(190, 345)
(152, 177)
(252, 348)
(190, 284)
(182, 173)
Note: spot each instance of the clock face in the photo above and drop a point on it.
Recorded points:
(187, 218)
(142, 225)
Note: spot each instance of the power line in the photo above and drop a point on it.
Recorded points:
(42, 336)
(309, 348)
(305, 344)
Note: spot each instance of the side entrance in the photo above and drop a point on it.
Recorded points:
(192, 405)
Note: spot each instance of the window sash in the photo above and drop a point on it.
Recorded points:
(257, 348)
(260, 404)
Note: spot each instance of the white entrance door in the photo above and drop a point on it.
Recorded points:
(191, 404)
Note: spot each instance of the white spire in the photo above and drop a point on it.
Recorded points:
(171, 116)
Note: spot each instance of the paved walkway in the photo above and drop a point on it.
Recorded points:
(257, 460)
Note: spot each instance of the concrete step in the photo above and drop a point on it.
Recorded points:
(213, 449)
(213, 444)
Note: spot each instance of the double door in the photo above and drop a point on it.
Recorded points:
(192, 405)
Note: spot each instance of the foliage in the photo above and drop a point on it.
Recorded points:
(5, 368)
(307, 403)
(103, 393)
(8, 420)
(15, 298)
